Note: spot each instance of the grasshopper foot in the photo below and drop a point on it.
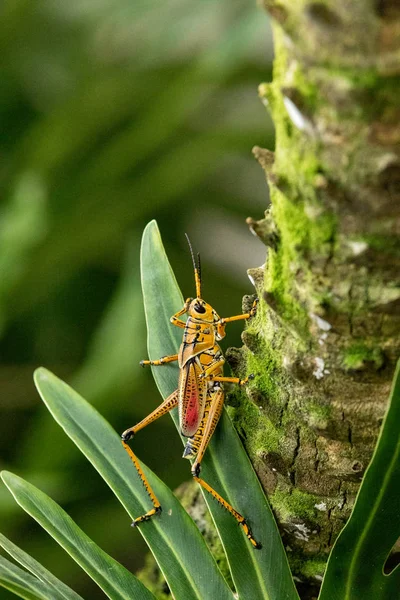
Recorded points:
(249, 535)
(245, 381)
(254, 308)
(127, 435)
(147, 516)
(196, 469)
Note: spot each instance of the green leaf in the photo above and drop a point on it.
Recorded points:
(103, 372)
(174, 539)
(116, 581)
(355, 566)
(23, 584)
(58, 588)
(258, 574)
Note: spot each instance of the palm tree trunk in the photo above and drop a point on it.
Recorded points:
(325, 341)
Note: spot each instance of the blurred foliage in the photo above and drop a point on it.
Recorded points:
(114, 113)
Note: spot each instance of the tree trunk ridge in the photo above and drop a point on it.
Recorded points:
(325, 340)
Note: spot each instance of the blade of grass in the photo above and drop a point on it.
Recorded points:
(177, 545)
(116, 581)
(59, 589)
(355, 565)
(23, 584)
(258, 574)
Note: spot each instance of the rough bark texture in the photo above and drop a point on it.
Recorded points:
(326, 337)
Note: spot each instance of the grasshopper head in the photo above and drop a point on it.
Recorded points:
(199, 309)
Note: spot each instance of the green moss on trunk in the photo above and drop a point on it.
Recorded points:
(324, 342)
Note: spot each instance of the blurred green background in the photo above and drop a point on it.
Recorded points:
(115, 112)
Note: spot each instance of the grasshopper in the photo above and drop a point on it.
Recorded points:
(200, 393)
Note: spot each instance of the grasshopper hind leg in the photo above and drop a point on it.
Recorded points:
(215, 406)
(156, 505)
(239, 518)
(165, 407)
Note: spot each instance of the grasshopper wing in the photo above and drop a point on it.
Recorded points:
(192, 397)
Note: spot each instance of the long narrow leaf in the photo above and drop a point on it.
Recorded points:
(180, 550)
(257, 574)
(59, 589)
(102, 371)
(23, 584)
(355, 566)
(116, 581)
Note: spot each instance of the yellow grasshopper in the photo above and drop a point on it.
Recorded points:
(200, 393)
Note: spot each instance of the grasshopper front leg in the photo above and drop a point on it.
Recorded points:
(175, 318)
(161, 410)
(242, 317)
(222, 322)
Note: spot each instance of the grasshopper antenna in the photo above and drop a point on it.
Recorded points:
(197, 268)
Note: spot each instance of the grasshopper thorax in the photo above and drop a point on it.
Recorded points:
(201, 311)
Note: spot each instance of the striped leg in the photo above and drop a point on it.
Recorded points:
(232, 379)
(222, 322)
(215, 365)
(165, 407)
(214, 415)
(241, 317)
(175, 318)
(161, 361)
(156, 505)
(239, 518)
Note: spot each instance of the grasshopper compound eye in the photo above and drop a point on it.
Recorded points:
(199, 309)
